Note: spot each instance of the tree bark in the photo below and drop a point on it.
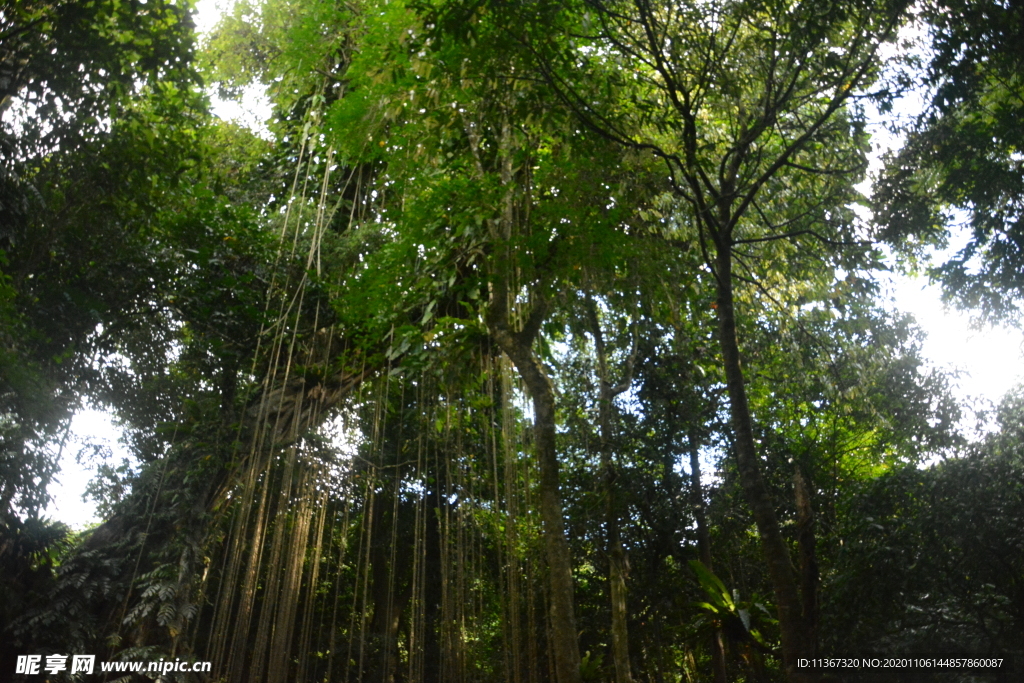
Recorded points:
(565, 645)
(518, 346)
(797, 639)
(808, 558)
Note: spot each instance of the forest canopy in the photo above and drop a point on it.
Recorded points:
(536, 341)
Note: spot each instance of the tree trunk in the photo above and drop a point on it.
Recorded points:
(563, 620)
(704, 551)
(797, 638)
(617, 571)
(617, 563)
(808, 558)
(391, 588)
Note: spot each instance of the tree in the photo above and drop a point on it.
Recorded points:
(758, 162)
(75, 63)
(931, 555)
(463, 242)
(98, 114)
(958, 169)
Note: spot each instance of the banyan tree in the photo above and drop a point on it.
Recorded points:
(530, 342)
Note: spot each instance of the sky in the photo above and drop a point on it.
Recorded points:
(990, 359)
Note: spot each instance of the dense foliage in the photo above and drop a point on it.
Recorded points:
(535, 342)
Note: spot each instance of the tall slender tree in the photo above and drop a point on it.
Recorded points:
(751, 105)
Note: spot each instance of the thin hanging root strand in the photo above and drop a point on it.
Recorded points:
(445, 492)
